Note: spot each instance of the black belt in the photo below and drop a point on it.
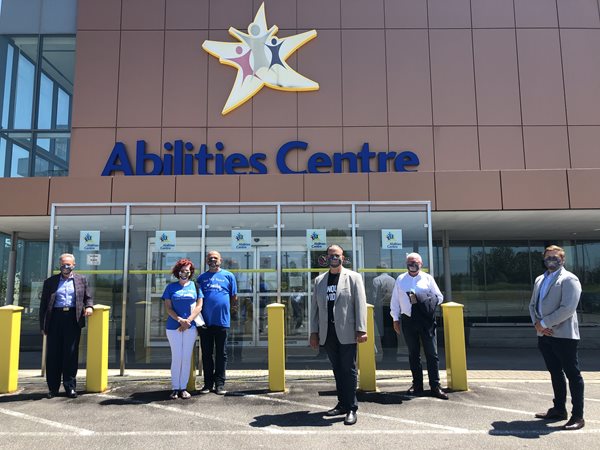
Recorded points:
(64, 309)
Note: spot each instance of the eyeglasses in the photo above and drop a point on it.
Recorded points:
(335, 256)
(213, 259)
(185, 272)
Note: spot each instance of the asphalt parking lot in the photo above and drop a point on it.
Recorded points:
(496, 412)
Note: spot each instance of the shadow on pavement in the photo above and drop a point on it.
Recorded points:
(24, 397)
(525, 429)
(295, 419)
(381, 398)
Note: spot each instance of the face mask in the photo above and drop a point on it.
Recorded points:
(66, 268)
(334, 261)
(212, 263)
(412, 267)
(184, 275)
(552, 262)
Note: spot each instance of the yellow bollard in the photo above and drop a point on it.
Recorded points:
(191, 385)
(454, 341)
(367, 381)
(97, 350)
(10, 337)
(275, 323)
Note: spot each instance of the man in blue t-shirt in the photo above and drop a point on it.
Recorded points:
(220, 297)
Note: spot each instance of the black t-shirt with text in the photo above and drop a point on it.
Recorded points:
(332, 282)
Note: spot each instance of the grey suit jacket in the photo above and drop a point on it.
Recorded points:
(558, 305)
(349, 310)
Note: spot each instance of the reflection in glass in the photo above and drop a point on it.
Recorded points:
(24, 97)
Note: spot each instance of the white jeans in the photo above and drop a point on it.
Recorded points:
(182, 346)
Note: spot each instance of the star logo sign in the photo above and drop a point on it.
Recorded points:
(260, 59)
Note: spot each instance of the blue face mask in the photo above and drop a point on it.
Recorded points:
(552, 262)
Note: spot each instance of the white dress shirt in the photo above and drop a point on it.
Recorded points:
(422, 284)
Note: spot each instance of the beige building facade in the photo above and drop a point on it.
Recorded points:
(486, 112)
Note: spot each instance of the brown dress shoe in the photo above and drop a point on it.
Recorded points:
(438, 393)
(552, 414)
(415, 390)
(574, 423)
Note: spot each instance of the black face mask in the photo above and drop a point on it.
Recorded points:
(552, 262)
(334, 261)
(412, 267)
(67, 268)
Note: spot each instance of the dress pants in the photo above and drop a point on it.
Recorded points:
(343, 362)
(415, 332)
(212, 340)
(560, 356)
(62, 350)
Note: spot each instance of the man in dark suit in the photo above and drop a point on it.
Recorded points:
(553, 310)
(338, 322)
(66, 301)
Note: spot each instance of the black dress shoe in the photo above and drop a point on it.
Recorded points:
(415, 390)
(71, 393)
(574, 423)
(350, 418)
(438, 393)
(552, 414)
(51, 394)
(337, 411)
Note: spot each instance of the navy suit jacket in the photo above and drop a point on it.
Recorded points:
(83, 299)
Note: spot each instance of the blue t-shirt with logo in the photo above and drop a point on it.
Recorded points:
(217, 287)
(183, 299)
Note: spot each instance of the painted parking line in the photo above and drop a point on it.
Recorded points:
(375, 416)
(302, 432)
(173, 409)
(50, 423)
(587, 399)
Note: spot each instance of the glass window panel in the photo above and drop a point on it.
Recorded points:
(58, 64)
(63, 109)
(5, 46)
(41, 167)
(45, 103)
(20, 162)
(2, 155)
(24, 97)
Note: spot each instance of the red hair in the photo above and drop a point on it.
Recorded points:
(179, 264)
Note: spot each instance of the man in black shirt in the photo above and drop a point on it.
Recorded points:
(338, 321)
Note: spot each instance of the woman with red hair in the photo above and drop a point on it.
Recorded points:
(183, 301)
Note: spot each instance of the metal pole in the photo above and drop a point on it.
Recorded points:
(279, 253)
(53, 228)
(430, 239)
(12, 269)
(125, 288)
(354, 250)
(447, 274)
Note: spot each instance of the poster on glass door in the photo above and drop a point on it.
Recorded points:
(391, 239)
(89, 241)
(241, 239)
(165, 240)
(316, 239)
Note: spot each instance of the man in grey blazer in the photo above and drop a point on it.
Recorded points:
(338, 320)
(553, 312)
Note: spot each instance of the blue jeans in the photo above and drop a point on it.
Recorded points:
(415, 332)
(560, 356)
(212, 339)
(343, 362)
